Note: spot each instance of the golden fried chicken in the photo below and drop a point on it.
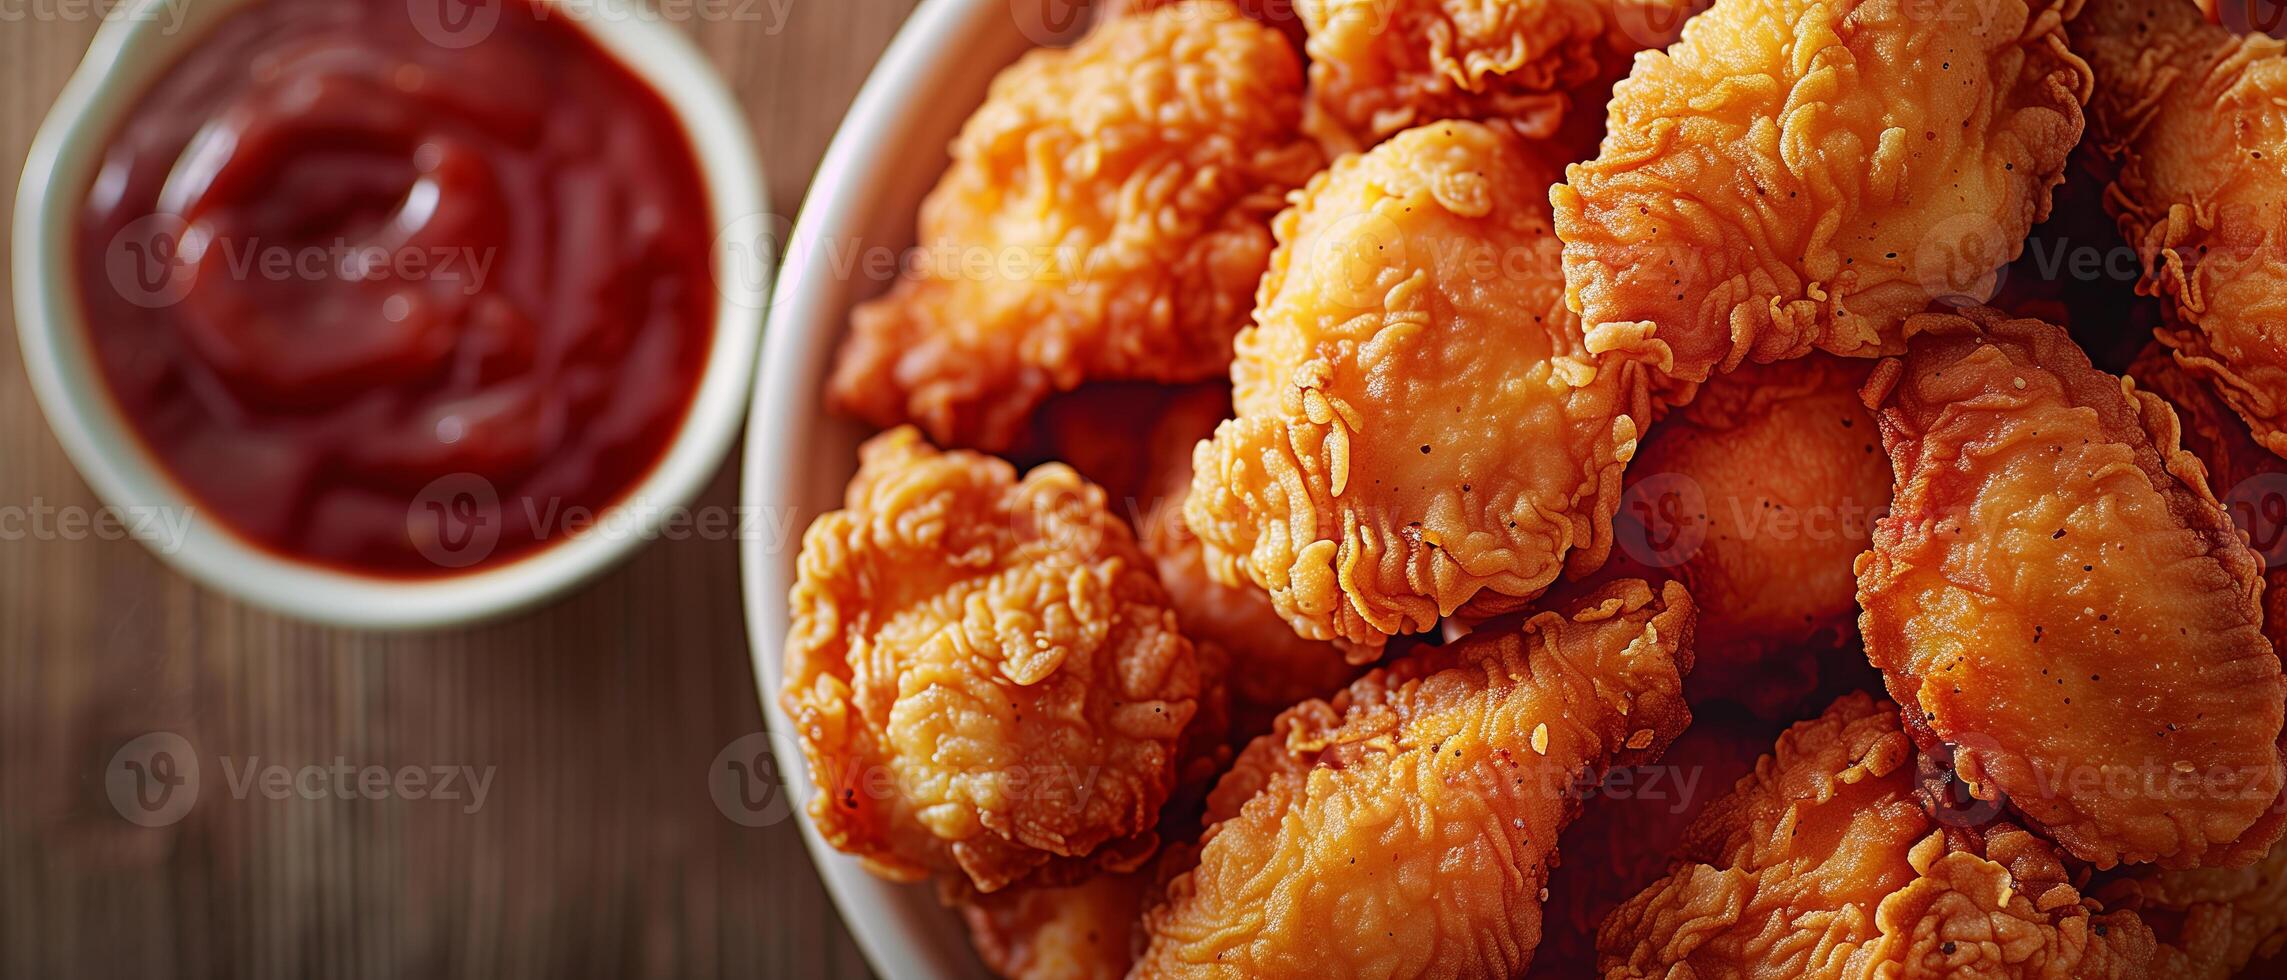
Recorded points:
(1417, 421)
(1406, 828)
(1378, 67)
(1083, 922)
(1272, 668)
(1106, 216)
(2191, 113)
(1758, 496)
(2064, 606)
(1824, 863)
(1798, 175)
(1629, 830)
(983, 672)
(2212, 922)
(2250, 480)
(1084, 931)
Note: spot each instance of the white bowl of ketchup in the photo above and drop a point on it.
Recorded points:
(392, 399)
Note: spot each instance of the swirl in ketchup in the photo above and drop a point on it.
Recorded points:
(333, 261)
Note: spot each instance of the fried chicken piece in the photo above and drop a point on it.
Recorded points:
(1629, 829)
(2213, 922)
(1406, 828)
(985, 676)
(2191, 113)
(1824, 863)
(1272, 668)
(1075, 932)
(1417, 421)
(1090, 924)
(1136, 441)
(1759, 496)
(2250, 480)
(2063, 603)
(1767, 187)
(1378, 67)
(2221, 919)
(1106, 216)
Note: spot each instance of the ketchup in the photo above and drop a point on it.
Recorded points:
(367, 282)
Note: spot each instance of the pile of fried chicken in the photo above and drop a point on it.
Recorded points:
(1470, 535)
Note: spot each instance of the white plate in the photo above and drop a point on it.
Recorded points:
(890, 150)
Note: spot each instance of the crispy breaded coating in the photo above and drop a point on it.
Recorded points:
(2064, 606)
(1824, 863)
(2190, 112)
(1799, 175)
(1406, 828)
(1417, 422)
(1073, 932)
(1272, 668)
(1759, 496)
(1106, 216)
(1378, 67)
(2213, 922)
(1627, 834)
(984, 674)
(2250, 480)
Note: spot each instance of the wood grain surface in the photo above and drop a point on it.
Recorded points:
(597, 850)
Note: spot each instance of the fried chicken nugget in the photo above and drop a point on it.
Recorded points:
(1272, 668)
(1759, 496)
(1417, 421)
(1823, 863)
(2249, 479)
(2063, 603)
(1627, 833)
(2213, 922)
(1089, 923)
(2191, 113)
(1378, 67)
(1120, 193)
(1406, 828)
(1798, 175)
(1073, 932)
(984, 674)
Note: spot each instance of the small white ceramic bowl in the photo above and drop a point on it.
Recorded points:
(890, 150)
(142, 39)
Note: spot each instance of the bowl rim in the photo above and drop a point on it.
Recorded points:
(136, 43)
(900, 928)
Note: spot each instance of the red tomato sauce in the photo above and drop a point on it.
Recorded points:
(343, 256)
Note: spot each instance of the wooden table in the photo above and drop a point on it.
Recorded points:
(597, 850)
